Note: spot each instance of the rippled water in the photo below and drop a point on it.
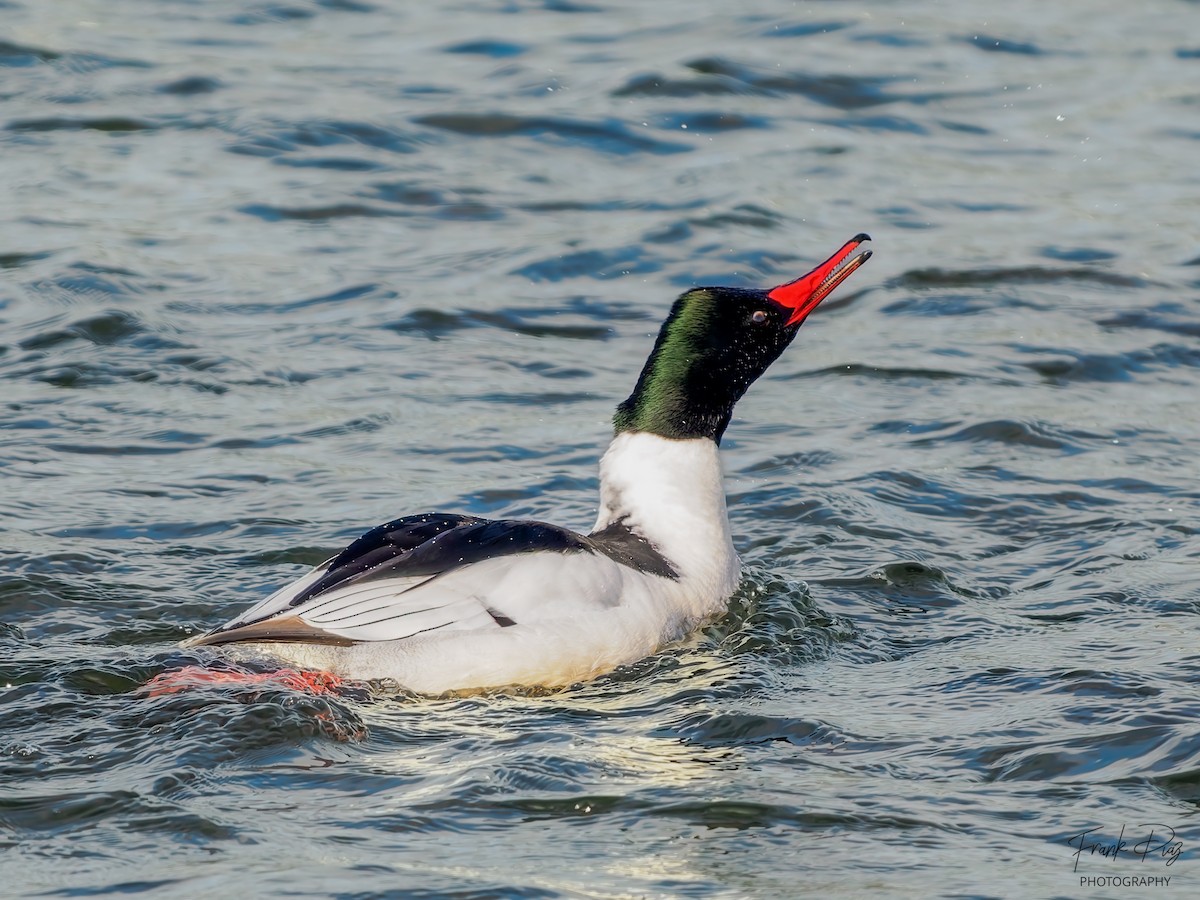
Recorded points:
(278, 271)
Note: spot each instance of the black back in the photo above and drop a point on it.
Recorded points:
(433, 543)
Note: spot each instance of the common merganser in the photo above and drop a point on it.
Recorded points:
(441, 602)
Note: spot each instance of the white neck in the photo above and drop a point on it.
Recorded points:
(671, 493)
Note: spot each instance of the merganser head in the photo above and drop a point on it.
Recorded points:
(716, 342)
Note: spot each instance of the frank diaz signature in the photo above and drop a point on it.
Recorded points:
(1158, 844)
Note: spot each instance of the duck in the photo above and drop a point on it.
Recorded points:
(439, 603)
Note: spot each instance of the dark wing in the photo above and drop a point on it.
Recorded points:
(382, 551)
(390, 583)
(620, 542)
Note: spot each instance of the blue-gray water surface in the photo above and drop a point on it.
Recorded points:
(274, 271)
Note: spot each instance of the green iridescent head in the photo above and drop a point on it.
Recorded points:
(715, 342)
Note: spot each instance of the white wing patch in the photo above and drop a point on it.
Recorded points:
(383, 614)
(521, 589)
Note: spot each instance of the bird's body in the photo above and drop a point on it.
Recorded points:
(441, 602)
(542, 605)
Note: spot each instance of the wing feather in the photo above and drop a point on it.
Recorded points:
(439, 571)
(281, 599)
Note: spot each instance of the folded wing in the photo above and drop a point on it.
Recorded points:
(432, 572)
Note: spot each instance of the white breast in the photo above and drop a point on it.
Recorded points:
(672, 493)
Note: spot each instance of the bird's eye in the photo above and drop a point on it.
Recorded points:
(758, 317)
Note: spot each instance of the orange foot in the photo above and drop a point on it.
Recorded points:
(197, 676)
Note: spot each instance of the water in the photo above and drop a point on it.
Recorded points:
(276, 272)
